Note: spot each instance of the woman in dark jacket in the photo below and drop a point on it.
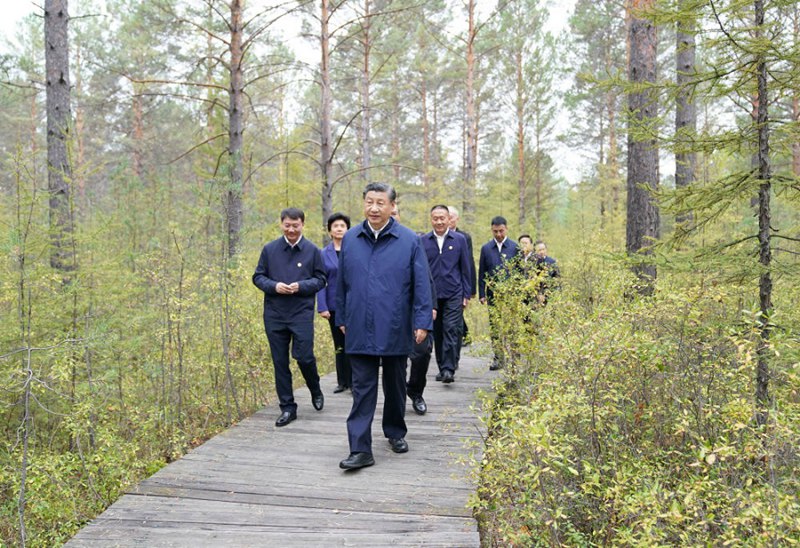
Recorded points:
(338, 224)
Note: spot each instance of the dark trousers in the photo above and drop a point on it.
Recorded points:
(301, 337)
(365, 399)
(420, 359)
(447, 331)
(343, 373)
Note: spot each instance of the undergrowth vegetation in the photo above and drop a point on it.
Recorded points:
(629, 421)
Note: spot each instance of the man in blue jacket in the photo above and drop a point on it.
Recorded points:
(290, 272)
(448, 258)
(383, 304)
(494, 256)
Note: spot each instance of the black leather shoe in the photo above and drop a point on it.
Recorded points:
(447, 376)
(439, 376)
(399, 445)
(285, 418)
(419, 405)
(339, 388)
(318, 401)
(357, 460)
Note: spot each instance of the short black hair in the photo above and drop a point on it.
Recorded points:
(537, 242)
(338, 217)
(499, 220)
(440, 206)
(381, 187)
(524, 236)
(293, 213)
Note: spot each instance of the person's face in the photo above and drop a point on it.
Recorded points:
(453, 218)
(541, 251)
(527, 245)
(499, 232)
(338, 228)
(440, 220)
(377, 208)
(292, 229)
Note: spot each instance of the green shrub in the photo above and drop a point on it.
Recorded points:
(630, 422)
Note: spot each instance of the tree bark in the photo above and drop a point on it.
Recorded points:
(233, 195)
(522, 183)
(763, 399)
(685, 111)
(366, 156)
(471, 149)
(59, 171)
(325, 145)
(642, 227)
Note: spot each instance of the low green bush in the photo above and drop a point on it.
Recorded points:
(630, 422)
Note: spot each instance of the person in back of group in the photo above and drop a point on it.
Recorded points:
(290, 273)
(338, 224)
(448, 259)
(495, 254)
(453, 212)
(547, 271)
(383, 303)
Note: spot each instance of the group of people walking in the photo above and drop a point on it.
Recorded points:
(389, 294)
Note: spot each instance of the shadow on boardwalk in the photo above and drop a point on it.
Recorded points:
(258, 485)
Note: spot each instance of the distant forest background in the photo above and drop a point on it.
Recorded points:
(148, 147)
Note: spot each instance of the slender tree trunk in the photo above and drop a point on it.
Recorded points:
(233, 195)
(685, 111)
(642, 212)
(59, 172)
(763, 399)
(470, 161)
(366, 156)
(426, 139)
(796, 97)
(326, 146)
(522, 183)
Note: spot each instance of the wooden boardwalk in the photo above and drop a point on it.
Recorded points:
(258, 485)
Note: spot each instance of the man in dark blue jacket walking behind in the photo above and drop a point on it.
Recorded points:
(290, 272)
(448, 258)
(383, 304)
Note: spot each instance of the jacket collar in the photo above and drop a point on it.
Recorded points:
(390, 229)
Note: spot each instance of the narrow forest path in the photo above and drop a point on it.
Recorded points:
(258, 485)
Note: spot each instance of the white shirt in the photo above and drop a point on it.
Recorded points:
(376, 233)
(500, 244)
(293, 244)
(440, 239)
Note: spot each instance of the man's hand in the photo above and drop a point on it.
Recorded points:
(420, 335)
(326, 314)
(465, 303)
(434, 314)
(283, 289)
(344, 332)
(287, 289)
(483, 300)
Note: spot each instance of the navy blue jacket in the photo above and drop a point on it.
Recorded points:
(491, 259)
(474, 286)
(450, 267)
(326, 298)
(383, 292)
(280, 262)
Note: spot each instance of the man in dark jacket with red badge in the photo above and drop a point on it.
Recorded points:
(290, 272)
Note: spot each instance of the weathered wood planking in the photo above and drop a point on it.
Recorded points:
(258, 485)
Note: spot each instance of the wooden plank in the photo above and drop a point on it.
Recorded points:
(258, 485)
